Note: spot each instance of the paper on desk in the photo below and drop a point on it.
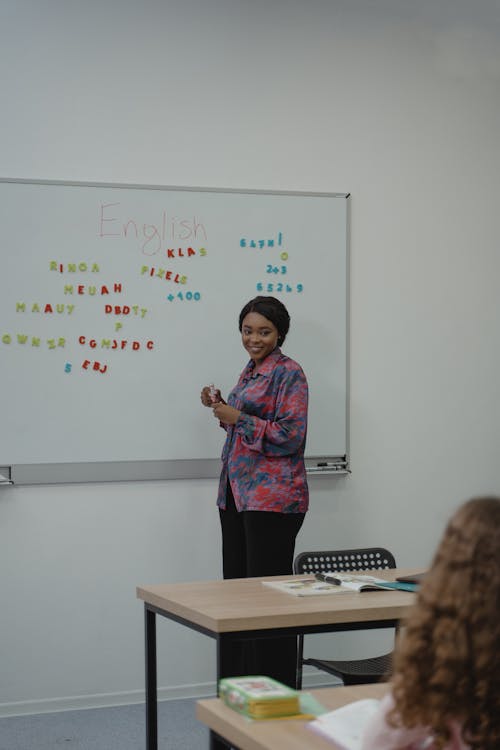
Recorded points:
(345, 725)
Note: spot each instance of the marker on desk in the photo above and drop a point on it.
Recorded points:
(328, 578)
(330, 465)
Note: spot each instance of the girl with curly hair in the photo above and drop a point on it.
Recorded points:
(446, 683)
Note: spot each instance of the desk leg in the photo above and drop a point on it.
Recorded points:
(151, 683)
(216, 741)
(224, 660)
(219, 743)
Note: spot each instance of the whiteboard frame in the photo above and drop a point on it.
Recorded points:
(126, 471)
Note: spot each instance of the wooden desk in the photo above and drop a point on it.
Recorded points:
(243, 608)
(279, 735)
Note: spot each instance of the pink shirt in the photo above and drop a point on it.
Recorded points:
(379, 735)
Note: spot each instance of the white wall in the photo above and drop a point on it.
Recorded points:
(394, 101)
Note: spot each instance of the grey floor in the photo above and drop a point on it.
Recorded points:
(116, 728)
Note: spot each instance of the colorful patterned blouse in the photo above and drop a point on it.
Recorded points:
(263, 455)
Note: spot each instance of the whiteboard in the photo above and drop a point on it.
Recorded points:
(119, 302)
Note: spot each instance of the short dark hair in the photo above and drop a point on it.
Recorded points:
(272, 309)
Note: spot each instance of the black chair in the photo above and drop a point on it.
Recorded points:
(359, 671)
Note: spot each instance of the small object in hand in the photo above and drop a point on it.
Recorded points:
(213, 393)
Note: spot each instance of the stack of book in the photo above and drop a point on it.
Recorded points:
(259, 697)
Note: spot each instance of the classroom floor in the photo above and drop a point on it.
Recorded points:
(115, 728)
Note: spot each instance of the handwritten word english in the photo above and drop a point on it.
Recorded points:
(152, 237)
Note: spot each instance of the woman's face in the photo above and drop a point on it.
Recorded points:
(259, 336)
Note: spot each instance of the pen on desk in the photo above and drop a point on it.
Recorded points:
(328, 578)
(328, 465)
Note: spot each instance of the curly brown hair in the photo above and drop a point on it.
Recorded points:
(447, 663)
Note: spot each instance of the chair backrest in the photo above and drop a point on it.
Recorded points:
(324, 561)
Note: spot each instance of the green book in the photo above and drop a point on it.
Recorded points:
(259, 697)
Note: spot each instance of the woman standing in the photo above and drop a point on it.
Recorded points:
(263, 494)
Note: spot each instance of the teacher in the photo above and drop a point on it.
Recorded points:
(263, 494)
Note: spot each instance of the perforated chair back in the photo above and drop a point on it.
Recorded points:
(349, 560)
(355, 671)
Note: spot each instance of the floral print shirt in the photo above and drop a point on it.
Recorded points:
(263, 456)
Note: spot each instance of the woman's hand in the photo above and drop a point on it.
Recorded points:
(209, 396)
(225, 413)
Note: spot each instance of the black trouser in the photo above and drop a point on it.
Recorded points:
(260, 543)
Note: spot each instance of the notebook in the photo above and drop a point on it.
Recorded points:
(414, 578)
